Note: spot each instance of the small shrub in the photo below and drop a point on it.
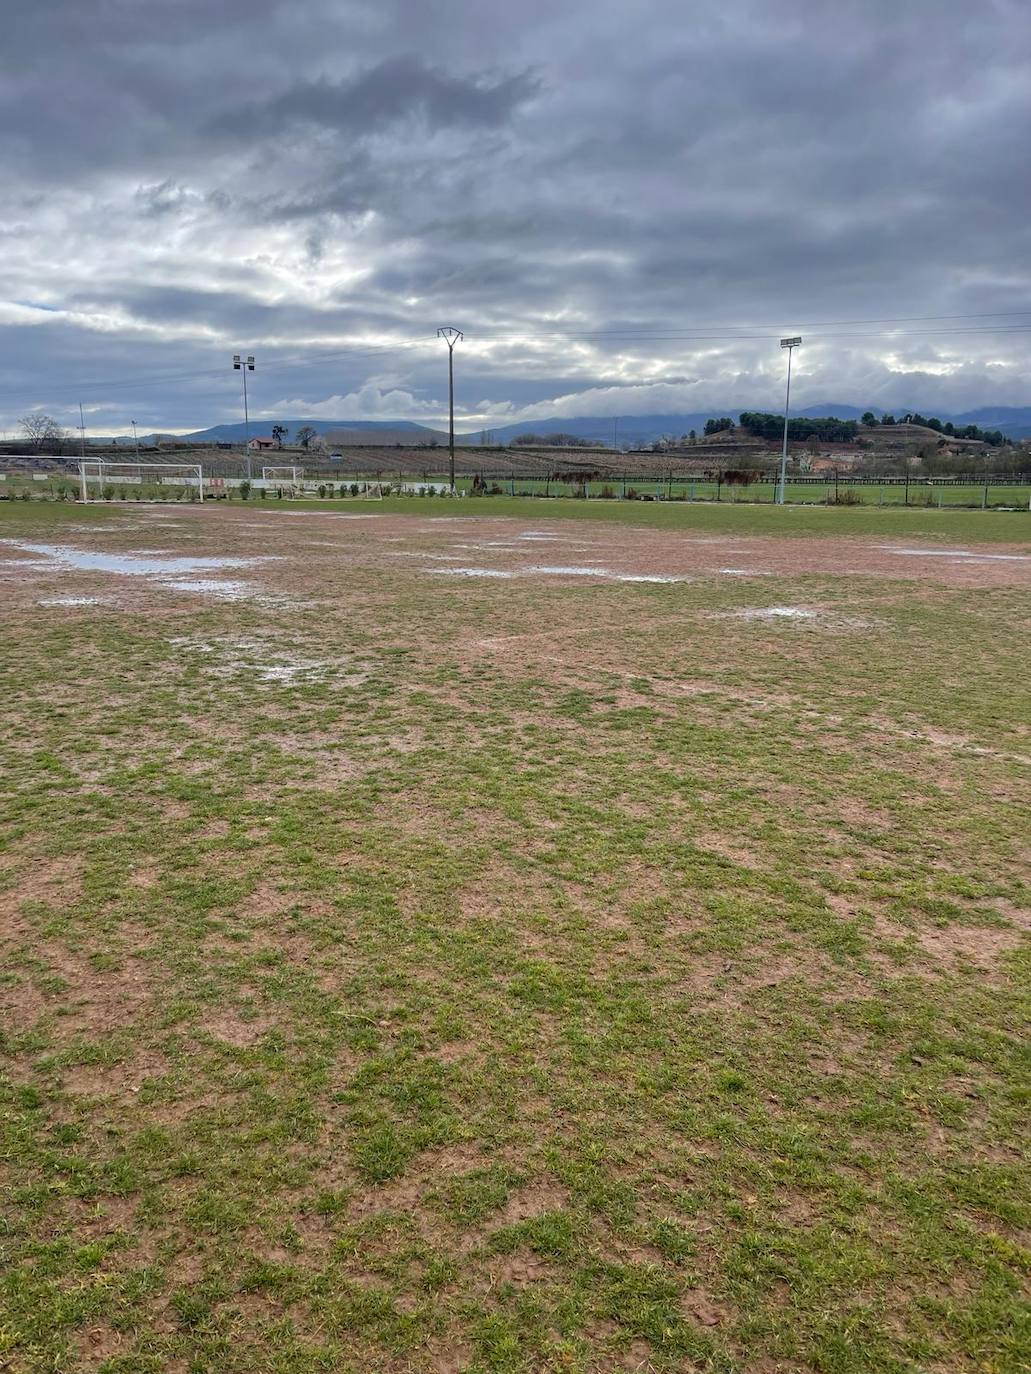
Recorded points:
(245, 490)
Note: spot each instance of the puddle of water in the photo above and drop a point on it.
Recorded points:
(468, 572)
(74, 601)
(535, 537)
(741, 572)
(321, 514)
(559, 570)
(647, 577)
(129, 564)
(956, 554)
(177, 574)
(777, 613)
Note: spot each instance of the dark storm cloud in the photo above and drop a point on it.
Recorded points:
(394, 90)
(306, 178)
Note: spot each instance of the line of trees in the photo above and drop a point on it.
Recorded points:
(827, 428)
(557, 440)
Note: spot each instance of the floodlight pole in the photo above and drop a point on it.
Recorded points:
(136, 440)
(82, 434)
(245, 365)
(451, 337)
(790, 345)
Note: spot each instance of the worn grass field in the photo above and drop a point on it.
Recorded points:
(407, 972)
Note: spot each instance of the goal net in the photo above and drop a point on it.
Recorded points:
(361, 491)
(100, 480)
(291, 475)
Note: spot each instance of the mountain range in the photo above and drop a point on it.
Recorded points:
(627, 431)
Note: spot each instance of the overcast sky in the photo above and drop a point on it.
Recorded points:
(322, 183)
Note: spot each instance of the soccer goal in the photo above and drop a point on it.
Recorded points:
(283, 474)
(108, 475)
(361, 491)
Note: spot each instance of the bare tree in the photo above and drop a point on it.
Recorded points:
(279, 433)
(305, 435)
(41, 429)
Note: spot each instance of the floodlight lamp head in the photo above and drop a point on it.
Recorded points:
(791, 343)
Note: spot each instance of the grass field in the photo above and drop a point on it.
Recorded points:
(920, 494)
(448, 946)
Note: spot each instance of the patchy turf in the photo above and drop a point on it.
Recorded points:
(954, 526)
(407, 972)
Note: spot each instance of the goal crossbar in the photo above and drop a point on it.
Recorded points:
(100, 470)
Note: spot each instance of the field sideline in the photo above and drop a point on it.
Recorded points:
(508, 936)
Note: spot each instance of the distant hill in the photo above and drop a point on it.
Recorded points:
(639, 431)
(1012, 420)
(630, 431)
(347, 431)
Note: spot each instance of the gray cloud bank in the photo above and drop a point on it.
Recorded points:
(323, 184)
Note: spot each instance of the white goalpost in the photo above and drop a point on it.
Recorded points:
(105, 473)
(283, 474)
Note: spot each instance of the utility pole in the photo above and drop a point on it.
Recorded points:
(136, 440)
(451, 337)
(615, 432)
(82, 435)
(790, 345)
(245, 365)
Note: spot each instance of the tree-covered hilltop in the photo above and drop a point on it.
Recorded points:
(913, 417)
(827, 428)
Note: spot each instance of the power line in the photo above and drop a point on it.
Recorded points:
(723, 337)
(718, 334)
(675, 332)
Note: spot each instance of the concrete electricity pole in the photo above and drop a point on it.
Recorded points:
(790, 345)
(450, 337)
